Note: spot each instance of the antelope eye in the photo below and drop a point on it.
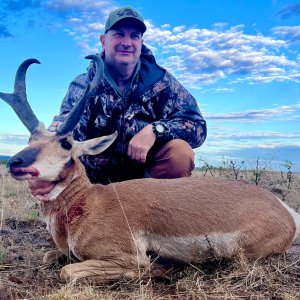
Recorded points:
(65, 144)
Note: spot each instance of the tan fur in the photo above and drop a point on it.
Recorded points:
(110, 229)
(183, 219)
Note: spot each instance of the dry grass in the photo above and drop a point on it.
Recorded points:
(24, 240)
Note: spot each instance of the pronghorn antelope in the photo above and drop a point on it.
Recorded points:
(112, 229)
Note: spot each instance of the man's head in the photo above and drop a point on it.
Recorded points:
(122, 41)
(125, 15)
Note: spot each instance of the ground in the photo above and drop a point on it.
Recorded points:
(24, 240)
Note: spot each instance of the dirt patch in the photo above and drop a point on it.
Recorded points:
(23, 244)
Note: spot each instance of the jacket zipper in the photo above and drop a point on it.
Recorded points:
(123, 127)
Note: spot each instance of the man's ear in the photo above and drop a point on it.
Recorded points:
(102, 39)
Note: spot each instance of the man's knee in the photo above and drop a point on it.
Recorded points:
(179, 155)
(173, 160)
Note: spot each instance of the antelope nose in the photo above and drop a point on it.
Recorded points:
(14, 162)
(23, 159)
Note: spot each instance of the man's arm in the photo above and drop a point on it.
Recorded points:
(182, 115)
(182, 119)
(141, 143)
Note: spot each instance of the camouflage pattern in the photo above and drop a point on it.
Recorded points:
(154, 94)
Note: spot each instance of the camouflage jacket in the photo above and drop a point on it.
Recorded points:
(153, 95)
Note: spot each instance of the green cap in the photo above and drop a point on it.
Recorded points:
(122, 13)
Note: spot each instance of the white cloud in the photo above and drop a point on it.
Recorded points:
(14, 138)
(292, 112)
(208, 55)
(81, 5)
(252, 58)
(10, 144)
(288, 33)
(262, 135)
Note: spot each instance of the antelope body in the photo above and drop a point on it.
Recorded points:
(112, 229)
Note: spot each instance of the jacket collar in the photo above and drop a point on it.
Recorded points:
(148, 70)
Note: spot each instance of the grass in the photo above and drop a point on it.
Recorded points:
(23, 241)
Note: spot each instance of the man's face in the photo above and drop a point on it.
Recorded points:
(122, 45)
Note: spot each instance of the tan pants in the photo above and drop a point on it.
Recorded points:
(173, 160)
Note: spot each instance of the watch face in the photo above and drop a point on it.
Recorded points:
(160, 128)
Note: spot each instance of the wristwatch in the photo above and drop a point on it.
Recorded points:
(159, 128)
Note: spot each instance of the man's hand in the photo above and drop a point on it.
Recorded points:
(40, 188)
(141, 143)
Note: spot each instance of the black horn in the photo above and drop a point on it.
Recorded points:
(76, 112)
(18, 99)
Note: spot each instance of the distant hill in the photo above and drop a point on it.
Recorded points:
(4, 157)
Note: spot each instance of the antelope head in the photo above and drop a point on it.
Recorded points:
(48, 153)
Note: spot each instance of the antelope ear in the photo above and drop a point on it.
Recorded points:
(94, 146)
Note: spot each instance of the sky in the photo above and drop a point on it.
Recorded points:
(239, 59)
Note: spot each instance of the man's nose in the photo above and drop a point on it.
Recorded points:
(126, 41)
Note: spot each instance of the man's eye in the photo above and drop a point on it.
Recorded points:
(118, 34)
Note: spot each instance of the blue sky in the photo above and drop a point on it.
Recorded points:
(240, 60)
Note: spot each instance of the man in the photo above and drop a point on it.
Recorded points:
(157, 120)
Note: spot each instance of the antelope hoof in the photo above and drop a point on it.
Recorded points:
(52, 256)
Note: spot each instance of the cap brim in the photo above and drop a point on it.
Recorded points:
(130, 20)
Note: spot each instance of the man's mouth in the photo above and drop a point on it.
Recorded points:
(125, 51)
